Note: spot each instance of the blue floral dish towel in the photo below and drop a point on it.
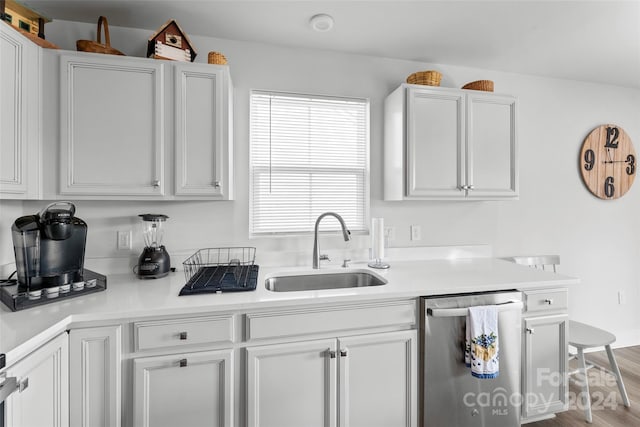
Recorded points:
(481, 347)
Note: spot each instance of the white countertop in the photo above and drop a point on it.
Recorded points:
(127, 297)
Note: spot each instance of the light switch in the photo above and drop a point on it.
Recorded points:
(124, 240)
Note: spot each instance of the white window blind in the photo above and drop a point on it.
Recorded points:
(309, 155)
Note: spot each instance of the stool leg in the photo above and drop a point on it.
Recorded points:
(616, 371)
(586, 397)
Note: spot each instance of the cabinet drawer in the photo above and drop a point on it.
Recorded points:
(183, 332)
(543, 300)
(330, 319)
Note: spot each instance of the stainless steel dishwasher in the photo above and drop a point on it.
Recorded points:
(450, 395)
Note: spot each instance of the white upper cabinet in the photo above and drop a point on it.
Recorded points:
(449, 144)
(202, 129)
(435, 154)
(137, 128)
(111, 126)
(19, 116)
(491, 146)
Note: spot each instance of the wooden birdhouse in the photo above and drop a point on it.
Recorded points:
(170, 42)
(22, 17)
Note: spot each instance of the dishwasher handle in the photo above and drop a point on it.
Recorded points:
(459, 312)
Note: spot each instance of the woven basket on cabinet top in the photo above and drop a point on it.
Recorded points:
(429, 78)
(216, 58)
(98, 47)
(485, 85)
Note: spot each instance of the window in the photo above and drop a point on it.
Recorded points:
(309, 155)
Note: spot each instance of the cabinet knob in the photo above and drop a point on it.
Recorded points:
(183, 363)
(470, 187)
(530, 331)
(343, 353)
(332, 354)
(156, 183)
(183, 335)
(216, 184)
(548, 301)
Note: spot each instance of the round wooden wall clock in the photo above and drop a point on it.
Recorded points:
(608, 162)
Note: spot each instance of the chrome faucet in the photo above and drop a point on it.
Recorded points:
(345, 233)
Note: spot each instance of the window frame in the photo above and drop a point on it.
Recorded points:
(326, 226)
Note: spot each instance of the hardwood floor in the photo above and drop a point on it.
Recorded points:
(607, 407)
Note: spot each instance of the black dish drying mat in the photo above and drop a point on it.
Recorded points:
(222, 279)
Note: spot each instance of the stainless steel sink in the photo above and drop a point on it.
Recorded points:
(323, 280)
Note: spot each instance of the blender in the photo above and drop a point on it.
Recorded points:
(154, 261)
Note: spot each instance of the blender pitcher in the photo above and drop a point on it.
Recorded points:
(154, 261)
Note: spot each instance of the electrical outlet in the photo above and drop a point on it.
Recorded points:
(621, 298)
(124, 240)
(416, 232)
(390, 233)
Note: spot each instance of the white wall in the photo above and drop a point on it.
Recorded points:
(597, 240)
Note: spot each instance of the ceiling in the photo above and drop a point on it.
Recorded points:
(596, 41)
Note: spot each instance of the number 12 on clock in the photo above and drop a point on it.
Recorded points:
(608, 162)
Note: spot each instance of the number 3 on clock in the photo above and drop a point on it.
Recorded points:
(608, 162)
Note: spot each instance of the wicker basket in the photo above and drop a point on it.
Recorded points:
(98, 47)
(217, 58)
(485, 85)
(429, 78)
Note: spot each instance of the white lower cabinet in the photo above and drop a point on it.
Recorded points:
(95, 378)
(545, 355)
(378, 380)
(366, 380)
(291, 385)
(43, 396)
(189, 389)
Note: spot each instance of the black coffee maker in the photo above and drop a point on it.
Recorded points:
(49, 247)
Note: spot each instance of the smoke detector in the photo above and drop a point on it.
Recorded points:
(321, 22)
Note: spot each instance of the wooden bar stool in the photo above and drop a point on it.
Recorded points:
(582, 337)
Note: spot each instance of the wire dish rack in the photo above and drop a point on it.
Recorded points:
(231, 269)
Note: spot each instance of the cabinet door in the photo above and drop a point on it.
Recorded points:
(44, 396)
(378, 380)
(435, 137)
(292, 385)
(190, 389)
(111, 126)
(94, 377)
(544, 372)
(19, 115)
(492, 170)
(201, 114)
